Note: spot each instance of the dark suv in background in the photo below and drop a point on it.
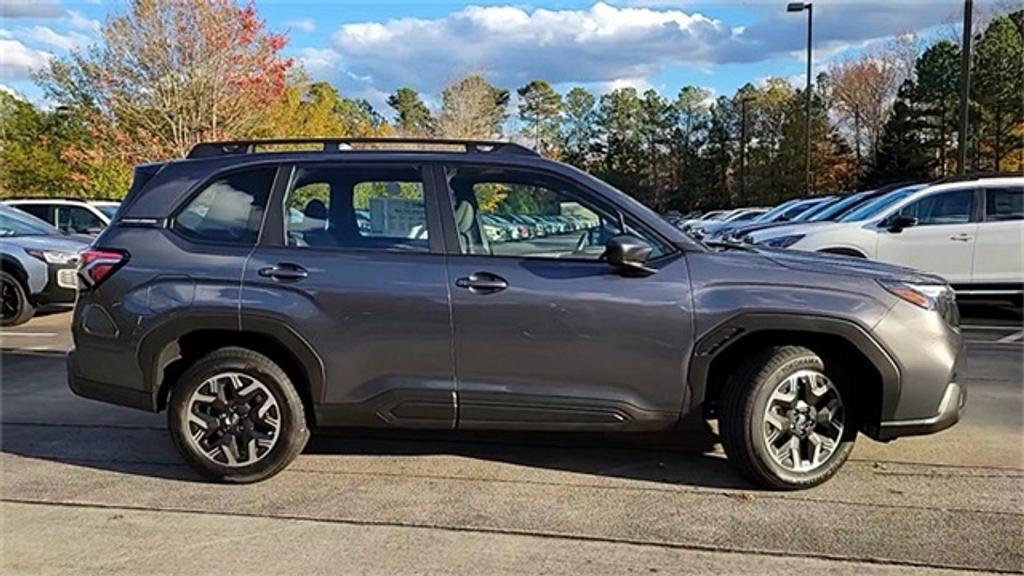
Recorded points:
(257, 295)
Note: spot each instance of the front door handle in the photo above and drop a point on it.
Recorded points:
(960, 237)
(482, 283)
(288, 272)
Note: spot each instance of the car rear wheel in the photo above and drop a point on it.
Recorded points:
(236, 417)
(786, 420)
(15, 307)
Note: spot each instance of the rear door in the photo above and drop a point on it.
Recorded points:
(548, 336)
(351, 262)
(999, 261)
(943, 240)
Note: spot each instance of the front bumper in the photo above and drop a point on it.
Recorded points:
(954, 400)
(61, 286)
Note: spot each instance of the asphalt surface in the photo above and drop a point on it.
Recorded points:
(94, 489)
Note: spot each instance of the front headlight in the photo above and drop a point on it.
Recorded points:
(938, 297)
(54, 256)
(782, 241)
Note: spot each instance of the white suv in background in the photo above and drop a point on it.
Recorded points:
(970, 231)
(71, 216)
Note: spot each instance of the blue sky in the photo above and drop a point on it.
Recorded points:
(370, 48)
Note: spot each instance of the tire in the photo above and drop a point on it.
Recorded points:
(758, 421)
(14, 299)
(259, 394)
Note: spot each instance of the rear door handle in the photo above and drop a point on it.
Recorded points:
(482, 283)
(284, 272)
(960, 237)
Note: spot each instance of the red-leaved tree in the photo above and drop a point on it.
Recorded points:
(170, 73)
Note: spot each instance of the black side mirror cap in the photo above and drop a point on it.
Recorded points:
(629, 254)
(901, 221)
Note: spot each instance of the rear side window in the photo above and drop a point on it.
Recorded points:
(1004, 204)
(367, 208)
(42, 211)
(230, 209)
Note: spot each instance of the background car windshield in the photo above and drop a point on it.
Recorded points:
(809, 213)
(835, 210)
(879, 204)
(775, 213)
(13, 224)
(108, 209)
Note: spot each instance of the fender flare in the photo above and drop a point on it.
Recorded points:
(733, 330)
(158, 347)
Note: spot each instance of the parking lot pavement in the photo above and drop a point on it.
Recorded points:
(90, 488)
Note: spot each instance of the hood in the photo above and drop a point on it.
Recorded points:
(847, 265)
(738, 229)
(789, 229)
(56, 243)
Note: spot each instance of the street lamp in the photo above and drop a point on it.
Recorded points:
(800, 7)
(744, 100)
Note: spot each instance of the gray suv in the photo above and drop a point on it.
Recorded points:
(257, 293)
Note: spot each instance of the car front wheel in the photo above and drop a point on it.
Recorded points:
(786, 421)
(16, 308)
(236, 417)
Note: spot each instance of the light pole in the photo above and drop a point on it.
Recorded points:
(800, 7)
(965, 89)
(744, 100)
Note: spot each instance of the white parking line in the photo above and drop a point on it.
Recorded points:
(1012, 337)
(29, 334)
(983, 327)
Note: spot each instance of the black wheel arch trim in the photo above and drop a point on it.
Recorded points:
(733, 330)
(158, 348)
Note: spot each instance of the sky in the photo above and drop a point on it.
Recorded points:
(370, 48)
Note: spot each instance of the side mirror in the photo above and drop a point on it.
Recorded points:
(629, 254)
(901, 221)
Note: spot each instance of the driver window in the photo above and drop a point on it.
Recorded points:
(943, 208)
(74, 219)
(501, 212)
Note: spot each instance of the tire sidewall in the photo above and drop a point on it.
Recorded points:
(26, 309)
(293, 432)
(759, 402)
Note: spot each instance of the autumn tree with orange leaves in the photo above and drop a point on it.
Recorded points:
(169, 74)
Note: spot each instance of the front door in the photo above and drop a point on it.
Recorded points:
(350, 260)
(548, 336)
(943, 240)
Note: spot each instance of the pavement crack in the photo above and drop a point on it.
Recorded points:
(515, 532)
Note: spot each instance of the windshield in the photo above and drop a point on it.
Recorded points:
(773, 214)
(108, 209)
(809, 213)
(13, 224)
(839, 208)
(879, 204)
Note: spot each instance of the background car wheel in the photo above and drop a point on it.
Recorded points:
(786, 421)
(16, 309)
(235, 416)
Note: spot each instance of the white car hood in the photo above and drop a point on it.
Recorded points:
(759, 236)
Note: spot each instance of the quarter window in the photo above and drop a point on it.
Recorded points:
(953, 207)
(500, 212)
(378, 208)
(230, 209)
(1004, 204)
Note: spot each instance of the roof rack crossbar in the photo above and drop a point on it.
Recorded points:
(210, 149)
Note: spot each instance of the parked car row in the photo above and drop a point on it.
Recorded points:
(512, 227)
(968, 229)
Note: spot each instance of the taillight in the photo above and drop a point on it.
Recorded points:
(95, 266)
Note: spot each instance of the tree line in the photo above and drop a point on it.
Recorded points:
(166, 75)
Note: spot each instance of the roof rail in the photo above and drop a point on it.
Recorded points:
(975, 176)
(210, 149)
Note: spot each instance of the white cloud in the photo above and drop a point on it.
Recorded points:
(29, 9)
(320, 62)
(304, 25)
(44, 35)
(78, 21)
(8, 90)
(19, 61)
(598, 45)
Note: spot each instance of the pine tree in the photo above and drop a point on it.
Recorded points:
(412, 117)
(540, 109)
